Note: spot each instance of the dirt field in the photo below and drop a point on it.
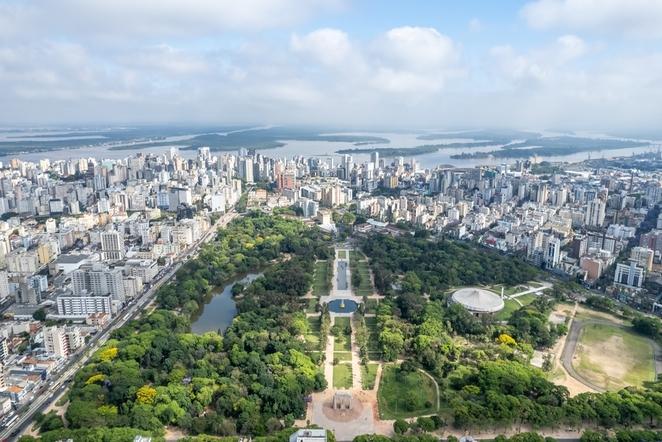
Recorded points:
(613, 357)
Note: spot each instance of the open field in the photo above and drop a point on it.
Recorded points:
(342, 376)
(342, 254)
(343, 356)
(511, 306)
(403, 395)
(368, 375)
(508, 290)
(587, 313)
(612, 357)
(320, 286)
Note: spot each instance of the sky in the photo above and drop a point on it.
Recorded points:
(583, 65)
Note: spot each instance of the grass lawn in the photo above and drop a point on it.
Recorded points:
(343, 356)
(314, 324)
(373, 336)
(365, 288)
(312, 341)
(613, 357)
(405, 395)
(310, 308)
(511, 306)
(371, 306)
(356, 255)
(342, 342)
(313, 338)
(342, 254)
(342, 376)
(368, 375)
(319, 282)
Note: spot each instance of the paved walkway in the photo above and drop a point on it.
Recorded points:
(545, 286)
(328, 362)
(356, 361)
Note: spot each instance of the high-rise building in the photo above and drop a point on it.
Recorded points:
(246, 169)
(552, 251)
(595, 213)
(643, 257)
(83, 306)
(629, 274)
(55, 341)
(97, 279)
(374, 159)
(112, 245)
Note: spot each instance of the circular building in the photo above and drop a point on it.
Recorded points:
(478, 301)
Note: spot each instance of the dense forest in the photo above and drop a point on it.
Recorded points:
(439, 265)
(154, 372)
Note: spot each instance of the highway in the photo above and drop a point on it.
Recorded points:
(60, 380)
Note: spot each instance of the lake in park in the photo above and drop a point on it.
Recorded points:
(218, 313)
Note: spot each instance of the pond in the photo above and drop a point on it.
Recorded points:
(342, 306)
(220, 310)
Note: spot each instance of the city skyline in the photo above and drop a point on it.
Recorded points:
(541, 64)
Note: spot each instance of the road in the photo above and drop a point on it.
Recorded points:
(58, 382)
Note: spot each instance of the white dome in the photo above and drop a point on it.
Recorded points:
(478, 300)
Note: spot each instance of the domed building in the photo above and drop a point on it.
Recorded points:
(478, 301)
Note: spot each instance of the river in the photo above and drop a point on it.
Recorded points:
(327, 149)
(220, 310)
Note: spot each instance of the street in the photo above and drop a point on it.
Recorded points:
(59, 379)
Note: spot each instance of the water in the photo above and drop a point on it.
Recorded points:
(327, 149)
(342, 275)
(342, 306)
(221, 309)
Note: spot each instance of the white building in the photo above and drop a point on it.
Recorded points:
(82, 306)
(629, 274)
(112, 245)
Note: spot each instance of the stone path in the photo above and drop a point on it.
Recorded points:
(328, 362)
(356, 361)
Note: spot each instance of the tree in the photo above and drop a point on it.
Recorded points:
(146, 395)
(426, 424)
(39, 315)
(400, 426)
(356, 279)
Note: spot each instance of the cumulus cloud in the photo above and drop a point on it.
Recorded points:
(540, 64)
(328, 46)
(641, 18)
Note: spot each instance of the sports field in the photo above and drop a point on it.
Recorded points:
(612, 357)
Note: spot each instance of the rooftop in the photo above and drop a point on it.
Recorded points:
(478, 300)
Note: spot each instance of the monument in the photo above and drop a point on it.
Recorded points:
(342, 400)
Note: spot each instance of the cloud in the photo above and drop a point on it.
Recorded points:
(638, 18)
(330, 47)
(154, 19)
(539, 64)
(417, 48)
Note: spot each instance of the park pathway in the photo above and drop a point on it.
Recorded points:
(328, 361)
